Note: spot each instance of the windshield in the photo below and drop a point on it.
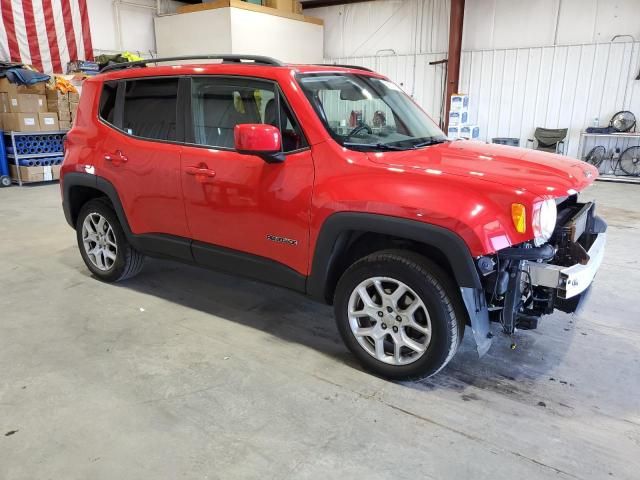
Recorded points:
(367, 113)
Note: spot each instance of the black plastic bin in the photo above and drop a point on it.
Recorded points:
(512, 142)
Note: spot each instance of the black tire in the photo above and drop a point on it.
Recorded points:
(128, 261)
(438, 294)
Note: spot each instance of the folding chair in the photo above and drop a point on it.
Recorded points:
(549, 139)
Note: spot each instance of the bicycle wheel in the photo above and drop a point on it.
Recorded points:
(595, 156)
(630, 161)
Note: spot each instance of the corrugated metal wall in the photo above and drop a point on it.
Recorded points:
(513, 91)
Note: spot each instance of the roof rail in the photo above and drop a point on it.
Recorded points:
(229, 58)
(355, 67)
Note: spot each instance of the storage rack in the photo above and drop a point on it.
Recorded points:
(15, 157)
(613, 140)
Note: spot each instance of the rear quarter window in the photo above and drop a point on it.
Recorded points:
(108, 102)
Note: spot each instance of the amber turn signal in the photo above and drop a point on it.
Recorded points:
(519, 217)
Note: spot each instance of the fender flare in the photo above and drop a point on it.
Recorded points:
(159, 245)
(448, 242)
(78, 179)
(455, 250)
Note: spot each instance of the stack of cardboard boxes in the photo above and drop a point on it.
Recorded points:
(290, 6)
(24, 108)
(459, 119)
(64, 105)
(35, 108)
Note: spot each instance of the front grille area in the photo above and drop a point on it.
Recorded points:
(571, 236)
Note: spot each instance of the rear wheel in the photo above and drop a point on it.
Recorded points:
(103, 244)
(397, 312)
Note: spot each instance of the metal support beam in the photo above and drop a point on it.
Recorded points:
(456, 21)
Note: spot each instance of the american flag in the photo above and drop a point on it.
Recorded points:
(45, 33)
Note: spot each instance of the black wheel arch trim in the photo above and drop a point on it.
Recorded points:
(328, 246)
(79, 179)
(184, 249)
(158, 245)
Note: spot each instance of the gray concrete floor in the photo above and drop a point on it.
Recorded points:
(186, 373)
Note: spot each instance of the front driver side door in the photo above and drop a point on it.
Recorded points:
(240, 202)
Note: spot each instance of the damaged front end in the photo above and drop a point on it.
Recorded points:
(524, 282)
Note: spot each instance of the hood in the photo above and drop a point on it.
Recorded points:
(541, 173)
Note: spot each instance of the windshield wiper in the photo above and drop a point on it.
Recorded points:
(430, 142)
(379, 146)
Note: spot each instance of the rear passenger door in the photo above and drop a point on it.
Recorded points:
(141, 152)
(242, 202)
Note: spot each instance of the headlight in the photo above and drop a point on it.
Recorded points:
(544, 219)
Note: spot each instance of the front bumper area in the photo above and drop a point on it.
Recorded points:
(524, 282)
(568, 281)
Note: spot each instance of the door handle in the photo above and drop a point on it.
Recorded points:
(193, 170)
(116, 157)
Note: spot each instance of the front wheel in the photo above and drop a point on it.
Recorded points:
(103, 244)
(397, 312)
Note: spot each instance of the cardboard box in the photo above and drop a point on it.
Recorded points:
(459, 103)
(14, 89)
(74, 97)
(48, 122)
(470, 132)
(12, 102)
(64, 124)
(20, 122)
(57, 101)
(35, 174)
(58, 106)
(4, 102)
(458, 119)
(27, 103)
(64, 115)
(73, 108)
(284, 5)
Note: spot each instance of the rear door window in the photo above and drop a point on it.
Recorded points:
(151, 108)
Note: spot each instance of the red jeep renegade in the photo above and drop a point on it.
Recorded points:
(330, 181)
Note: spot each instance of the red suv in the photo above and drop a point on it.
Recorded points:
(332, 182)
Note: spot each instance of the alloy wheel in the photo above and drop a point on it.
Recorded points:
(99, 241)
(389, 320)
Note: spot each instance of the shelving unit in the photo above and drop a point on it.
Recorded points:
(609, 141)
(12, 141)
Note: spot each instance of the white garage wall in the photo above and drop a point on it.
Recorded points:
(401, 26)
(525, 63)
(118, 25)
(516, 90)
